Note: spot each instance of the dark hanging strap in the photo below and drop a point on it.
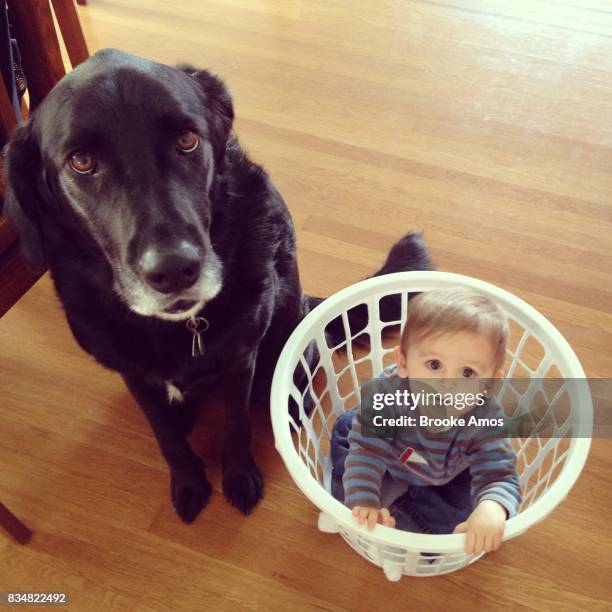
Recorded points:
(20, 79)
(7, 61)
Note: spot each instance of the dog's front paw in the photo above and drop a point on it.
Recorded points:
(190, 493)
(243, 486)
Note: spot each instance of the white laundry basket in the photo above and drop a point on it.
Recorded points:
(548, 462)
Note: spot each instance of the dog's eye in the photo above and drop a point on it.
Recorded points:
(187, 141)
(82, 162)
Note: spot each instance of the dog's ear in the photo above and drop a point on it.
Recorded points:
(219, 108)
(22, 165)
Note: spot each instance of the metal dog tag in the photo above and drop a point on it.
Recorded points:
(197, 326)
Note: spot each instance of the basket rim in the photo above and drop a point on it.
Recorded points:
(347, 298)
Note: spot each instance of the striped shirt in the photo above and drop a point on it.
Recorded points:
(420, 457)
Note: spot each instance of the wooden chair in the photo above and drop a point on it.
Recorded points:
(43, 66)
(42, 63)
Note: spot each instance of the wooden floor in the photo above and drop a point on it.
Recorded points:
(488, 124)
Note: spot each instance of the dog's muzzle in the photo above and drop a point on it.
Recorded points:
(172, 270)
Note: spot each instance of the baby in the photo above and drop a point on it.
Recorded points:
(462, 478)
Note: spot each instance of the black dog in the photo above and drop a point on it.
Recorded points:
(172, 253)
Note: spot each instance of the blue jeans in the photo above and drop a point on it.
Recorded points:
(422, 508)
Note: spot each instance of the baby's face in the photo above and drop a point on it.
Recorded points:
(457, 355)
(450, 363)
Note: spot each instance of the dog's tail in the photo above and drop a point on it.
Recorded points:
(407, 254)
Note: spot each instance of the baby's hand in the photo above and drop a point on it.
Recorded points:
(373, 516)
(484, 527)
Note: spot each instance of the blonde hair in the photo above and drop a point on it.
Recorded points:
(442, 311)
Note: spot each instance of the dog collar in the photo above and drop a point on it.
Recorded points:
(197, 326)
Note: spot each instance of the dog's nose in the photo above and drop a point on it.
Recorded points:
(173, 270)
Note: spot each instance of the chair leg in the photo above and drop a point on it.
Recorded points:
(8, 120)
(70, 28)
(41, 56)
(13, 526)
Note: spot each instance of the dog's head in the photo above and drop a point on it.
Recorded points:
(124, 152)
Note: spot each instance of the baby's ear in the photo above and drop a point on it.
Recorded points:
(401, 362)
(397, 354)
(495, 382)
